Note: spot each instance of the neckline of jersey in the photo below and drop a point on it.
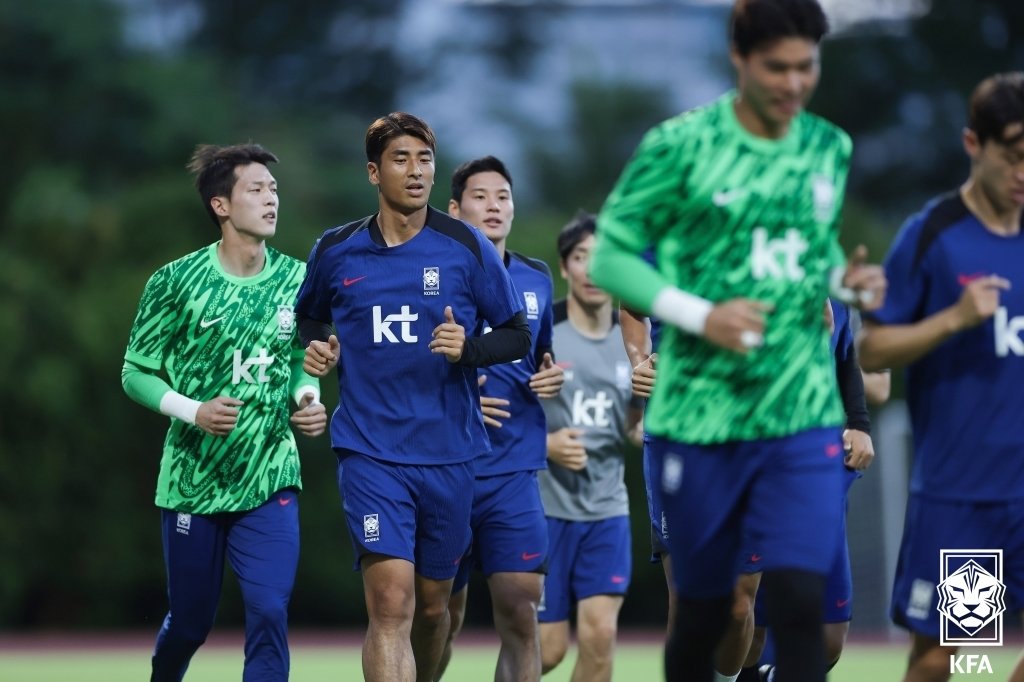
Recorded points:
(211, 251)
(765, 144)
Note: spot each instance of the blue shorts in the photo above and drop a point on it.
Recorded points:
(419, 513)
(587, 558)
(932, 525)
(510, 531)
(659, 524)
(838, 582)
(783, 493)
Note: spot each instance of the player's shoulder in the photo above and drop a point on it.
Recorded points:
(925, 227)
(339, 235)
(285, 262)
(200, 258)
(824, 133)
(459, 232)
(685, 124)
(532, 263)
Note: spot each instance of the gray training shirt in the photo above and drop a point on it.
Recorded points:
(595, 398)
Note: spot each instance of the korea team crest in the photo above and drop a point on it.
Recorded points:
(971, 597)
(431, 281)
(371, 527)
(285, 322)
(824, 195)
(532, 307)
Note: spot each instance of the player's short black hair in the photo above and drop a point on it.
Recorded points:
(214, 167)
(997, 102)
(582, 225)
(467, 170)
(756, 23)
(395, 124)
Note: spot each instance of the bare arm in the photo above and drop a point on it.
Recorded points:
(635, 335)
(877, 386)
(884, 346)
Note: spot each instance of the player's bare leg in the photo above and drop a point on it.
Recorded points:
(835, 640)
(515, 597)
(735, 643)
(388, 585)
(597, 627)
(456, 617)
(430, 625)
(666, 565)
(929, 661)
(554, 644)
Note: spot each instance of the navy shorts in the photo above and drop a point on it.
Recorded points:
(587, 558)
(510, 531)
(419, 513)
(933, 525)
(782, 494)
(655, 510)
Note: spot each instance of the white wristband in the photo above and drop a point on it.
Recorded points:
(307, 390)
(686, 311)
(174, 404)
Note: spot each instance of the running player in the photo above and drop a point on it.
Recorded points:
(510, 533)
(954, 320)
(590, 561)
(220, 323)
(740, 200)
(397, 287)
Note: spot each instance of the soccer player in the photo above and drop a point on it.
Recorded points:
(954, 320)
(740, 200)
(219, 322)
(397, 286)
(510, 532)
(585, 500)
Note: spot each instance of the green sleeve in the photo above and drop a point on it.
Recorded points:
(300, 379)
(637, 212)
(143, 386)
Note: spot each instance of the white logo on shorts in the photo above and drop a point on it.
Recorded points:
(672, 473)
(184, 523)
(371, 526)
(971, 597)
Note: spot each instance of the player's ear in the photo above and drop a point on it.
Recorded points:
(221, 206)
(373, 173)
(971, 143)
(453, 208)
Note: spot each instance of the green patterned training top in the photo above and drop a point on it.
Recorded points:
(728, 215)
(221, 335)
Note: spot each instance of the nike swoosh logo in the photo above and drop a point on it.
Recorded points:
(349, 282)
(755, 558)
(203, 324)
(840, 603)
(727, 197)
(284, 501)
(618, 579)
(530, 557)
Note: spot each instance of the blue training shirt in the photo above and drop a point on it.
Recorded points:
(397, 401)
(966, 397)
(521, 443)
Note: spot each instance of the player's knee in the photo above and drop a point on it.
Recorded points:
(835, 640)
(742, 608)
(518, 619)
(598, 636)
(266, 614)
(456, 617)
(552, 652)
(432, 614)
(384, 606)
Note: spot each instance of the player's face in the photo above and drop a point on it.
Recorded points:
(487, 205)
(574, 270)
(999, 168)
(405, 174)
(252, 207)
(776, 81)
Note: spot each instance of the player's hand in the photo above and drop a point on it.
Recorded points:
(737, 324)
(449, 337)
(491, 407)
(548, 380)
(311, 417)
(218, 416)
(830, 318)
(644, 375)
(321, 356)
(866, 281)
(566, 449)
(860, 452)
(979, 300)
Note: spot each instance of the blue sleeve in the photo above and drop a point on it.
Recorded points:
(314, 298)
(496, 297)
(908, 278)
(545, 335)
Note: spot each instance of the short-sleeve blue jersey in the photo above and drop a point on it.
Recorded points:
(966, 396)
(397, 401)
(521, 443)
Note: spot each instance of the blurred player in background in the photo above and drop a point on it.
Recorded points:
(954, 319)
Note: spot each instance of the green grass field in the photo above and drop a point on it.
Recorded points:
(472, 663)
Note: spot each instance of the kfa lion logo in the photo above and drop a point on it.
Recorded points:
(971, 597)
